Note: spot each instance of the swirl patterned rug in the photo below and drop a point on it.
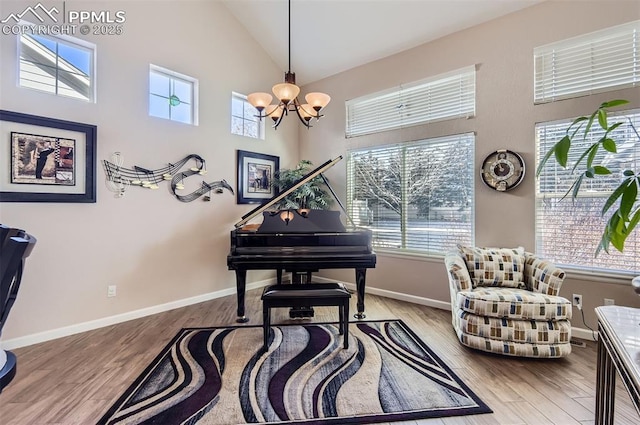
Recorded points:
(219, 376)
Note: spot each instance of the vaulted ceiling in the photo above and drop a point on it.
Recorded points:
(331, 36)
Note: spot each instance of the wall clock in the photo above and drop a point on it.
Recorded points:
(502, 170)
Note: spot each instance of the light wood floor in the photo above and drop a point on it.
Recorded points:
(74, 380)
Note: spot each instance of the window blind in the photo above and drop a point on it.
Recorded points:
(416, 196)
(446, 96)
(592, 63)
(568, 232)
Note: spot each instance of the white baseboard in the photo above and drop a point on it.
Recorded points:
(395, 295)
(36, 338)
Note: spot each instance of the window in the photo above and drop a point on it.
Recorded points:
(416, 196)
(446, 96)
(62, 65)
(569, 232)
(173, 96)
(601, 61)
(244, 118)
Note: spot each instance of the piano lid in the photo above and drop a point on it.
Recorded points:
(308, 177)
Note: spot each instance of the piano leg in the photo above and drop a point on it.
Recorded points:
(361, 275)
(241, 285)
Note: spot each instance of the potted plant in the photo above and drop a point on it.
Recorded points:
(310, 196)
(622, 204)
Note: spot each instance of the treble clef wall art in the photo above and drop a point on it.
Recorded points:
(119, 178)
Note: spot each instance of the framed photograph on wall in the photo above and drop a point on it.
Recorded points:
(46, 159)
(255, 174)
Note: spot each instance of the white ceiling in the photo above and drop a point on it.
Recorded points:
(331, 36)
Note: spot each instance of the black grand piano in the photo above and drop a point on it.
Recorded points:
(300, 242)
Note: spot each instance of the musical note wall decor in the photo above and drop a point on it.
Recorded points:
(119, 178)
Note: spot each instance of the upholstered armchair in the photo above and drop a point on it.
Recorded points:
(506, 301)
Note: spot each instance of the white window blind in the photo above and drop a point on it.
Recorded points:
(568, 232)
(416, 196)
(446, 96)
(592, 63)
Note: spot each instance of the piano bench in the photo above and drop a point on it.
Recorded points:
(306, 295)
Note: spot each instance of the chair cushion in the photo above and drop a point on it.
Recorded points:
(514, 304)
(495, 266)
(521, 331)
(511, 348)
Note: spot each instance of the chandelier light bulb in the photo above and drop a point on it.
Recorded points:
(317, 100)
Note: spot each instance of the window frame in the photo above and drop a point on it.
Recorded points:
(409, 225)
(260, 122)
(69, 42)
(597, 190)
(183, 78)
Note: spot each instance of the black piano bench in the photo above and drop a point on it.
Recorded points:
(306, 295)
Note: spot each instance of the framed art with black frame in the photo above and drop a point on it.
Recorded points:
(46, 159)
(255, 174)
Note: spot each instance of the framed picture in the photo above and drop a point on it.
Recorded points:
(46, 159)
(255, 174)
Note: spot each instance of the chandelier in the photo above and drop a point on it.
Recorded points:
(287, 95)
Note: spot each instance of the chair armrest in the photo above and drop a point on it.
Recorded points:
(459, 277)
(542, 276)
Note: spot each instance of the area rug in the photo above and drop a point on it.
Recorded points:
(219, 376)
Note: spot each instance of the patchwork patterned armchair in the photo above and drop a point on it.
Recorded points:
(506, 301)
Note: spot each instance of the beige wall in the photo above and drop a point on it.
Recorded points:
(158, 250)
(153, 247)
(502, 50)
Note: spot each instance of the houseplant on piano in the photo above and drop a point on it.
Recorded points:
(310, 196)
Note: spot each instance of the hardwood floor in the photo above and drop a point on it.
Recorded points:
(74, 380)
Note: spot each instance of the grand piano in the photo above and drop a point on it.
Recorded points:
(300, 242)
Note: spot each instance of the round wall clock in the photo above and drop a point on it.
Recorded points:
(502, 170)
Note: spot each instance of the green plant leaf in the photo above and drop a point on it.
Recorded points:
(628, 173)
(585, 153)
(614, 196)
(609, 145)
(633, 222)
(576, 186)
(628, 199)
(589, 124)
(602, 118)
(590, 172)
(544, 160)
(613, 127)
(600, 170)
(561, 150)
(614, 103)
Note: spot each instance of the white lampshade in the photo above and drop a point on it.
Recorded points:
(286, 92)
(317, 100)
(259, 100)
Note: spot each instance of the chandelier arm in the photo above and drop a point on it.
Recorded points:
(278, 121)
(302, 120)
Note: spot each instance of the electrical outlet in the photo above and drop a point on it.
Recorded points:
(609, 301)
(577, 300)
(111, 291)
